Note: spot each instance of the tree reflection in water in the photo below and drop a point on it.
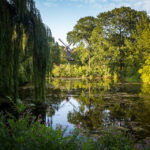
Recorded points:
(97, 104)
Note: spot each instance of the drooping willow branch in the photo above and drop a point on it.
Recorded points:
(24, 47)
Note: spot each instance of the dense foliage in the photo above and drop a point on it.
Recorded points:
(24, 48)
(26, 133)
(115, 44)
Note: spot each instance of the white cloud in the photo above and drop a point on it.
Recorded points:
(92, 1)
(142, 5)
(49, 4)
(52, 3)
(103, 4)
(137, 4)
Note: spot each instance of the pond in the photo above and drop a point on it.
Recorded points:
(93, 104)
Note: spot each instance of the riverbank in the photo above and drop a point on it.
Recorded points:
(26, 133)
(93, 104)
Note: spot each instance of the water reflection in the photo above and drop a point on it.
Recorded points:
(61, 114)
(94, 104)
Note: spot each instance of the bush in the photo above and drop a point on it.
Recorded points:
(27, 134)
(145, 71)
(68, 70)
(113, 139)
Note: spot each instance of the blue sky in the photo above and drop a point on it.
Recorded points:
(62, 15)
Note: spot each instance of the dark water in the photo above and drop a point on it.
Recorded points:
(94, 104)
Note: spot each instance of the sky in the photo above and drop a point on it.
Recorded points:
(62, 15)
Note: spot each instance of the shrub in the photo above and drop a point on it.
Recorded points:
(145, 71)
(113, 139)
(28, 134)
(68, 70)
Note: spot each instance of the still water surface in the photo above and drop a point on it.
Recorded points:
(94, 104)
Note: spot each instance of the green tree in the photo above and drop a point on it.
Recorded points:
(82, 32)
(113, 29)
(139, 45)
(24, 47)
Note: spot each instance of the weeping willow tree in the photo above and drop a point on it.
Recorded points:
(24, 48)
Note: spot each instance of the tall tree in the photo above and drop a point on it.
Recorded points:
(23, 38)
(139, 48)
(82, 32)
(117, 26)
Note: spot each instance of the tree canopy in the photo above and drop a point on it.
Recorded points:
(113, 44)
(24, 47)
